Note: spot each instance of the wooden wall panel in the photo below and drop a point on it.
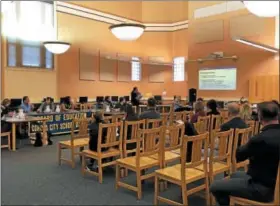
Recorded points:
(209, 31)
(156, 72)
(124, 71)
(88, 63)
(246, 26)
(107, 69)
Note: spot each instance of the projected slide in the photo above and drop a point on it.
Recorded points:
(217, 79)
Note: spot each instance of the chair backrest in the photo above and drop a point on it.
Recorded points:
(108, 119)
(223, 142)
(149, 142)
(199, 144)
(175, 134)
(224, 115)
(187, 116)
(255, 125)
(205, 125)
(107, 136)
(142, 108)
(131, 129)
(153, 123)
(178, 116)
(164, 117)
(163, 108)
(82, 124)
(216, 122)
(83, 106)
(118, 118)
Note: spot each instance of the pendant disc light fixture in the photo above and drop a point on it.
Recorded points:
(263, 8)
(57, 47)
(127, 31)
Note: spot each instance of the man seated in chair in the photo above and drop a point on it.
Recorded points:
(151, 113)
(235, 121)
(262, 151)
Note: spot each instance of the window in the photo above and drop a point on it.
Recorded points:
(135, 69)
(179, 69)
(27, 25)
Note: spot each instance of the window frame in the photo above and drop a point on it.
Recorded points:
(181, 65)
(136, 60)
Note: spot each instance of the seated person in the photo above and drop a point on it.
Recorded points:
(121, 104)
(258, 183)
(108, 102)
(177, 103)
(5, 126)
(212, 107)
(67, 104)
(45, 104)
(246, 112)
(26, 105)
(277, 103)
(199, 99)
(235, 120)
(151, 112)
(199, 111)
(93, 132)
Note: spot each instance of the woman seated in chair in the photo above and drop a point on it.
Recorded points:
(212, 107)
(93, 132)
(199, 111)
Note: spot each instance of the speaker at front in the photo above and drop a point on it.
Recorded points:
(192, 95)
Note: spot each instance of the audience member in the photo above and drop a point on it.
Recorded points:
(235, 120)
(108, 102)
(5, 126)
(135, 97)
(121, 104)
(246, 112)
(67, 104)
(26, 105)
(189, 131)
(151, 112)
(199, 111)
(263, 152)
(212, 106)
(47, 104)
(93, 132)
(176, 102)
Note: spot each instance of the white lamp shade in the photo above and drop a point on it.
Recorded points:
(263, 8)
(127, 32)
(56, 47)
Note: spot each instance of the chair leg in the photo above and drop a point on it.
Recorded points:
(139, 184)
(59, 154)
(100, 171)
(207, 192)
(184, 194)
(73, 158)
(211, 197)
(156, 191)
(9, 141)
(83, 164)
(117, 176)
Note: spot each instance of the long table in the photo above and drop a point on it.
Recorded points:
(61, 123)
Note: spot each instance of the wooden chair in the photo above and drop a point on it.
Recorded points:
(148, 142)
(178, 116)
(204, 125)
(240, 138)
(108, 119)
(216, 122)
(134, 109)
(163, 108)
(153, 123)
(8, 135)
(165, 118)
(187, 116)
(224, 115)
(117, 118)
(276, 199)
(221, 162)
(171, 148)
(84, 106)
(142, 108)
(110, 148)
(79, 140)
(186, 173)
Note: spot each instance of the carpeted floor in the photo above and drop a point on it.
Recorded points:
(31, 176)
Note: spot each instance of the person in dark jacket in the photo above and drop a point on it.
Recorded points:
(151, 112)
(212, 106)
(135, 97)
(235, 121)
(121, 104)
(262, 150)
(189, 131)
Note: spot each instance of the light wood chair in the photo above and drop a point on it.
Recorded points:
(148, 143)
(276, 199)
(205, 124)
(79, 140)
(172, 147)
(187, 116)
(224, 115)
(216, 122)
(153, 123)
(84, 106)
(108, 119)
(117, 118)
(186, 173)
(109, 146)
(178, 116)
(165, 118)
(240, 138)
(8, 135)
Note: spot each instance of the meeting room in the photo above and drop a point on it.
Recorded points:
(140, 103)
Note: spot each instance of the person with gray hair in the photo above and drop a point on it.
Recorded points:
(235, 121)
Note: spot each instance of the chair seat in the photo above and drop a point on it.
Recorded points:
(77, 142)
(111, 152)
(217, 167)
(174, 173)
(145, 162)
(241, 200)
(168, 156)
(177, 151)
